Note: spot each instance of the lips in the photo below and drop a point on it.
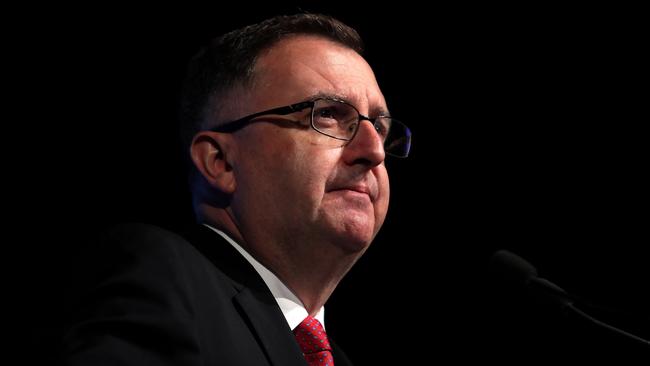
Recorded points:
(359, 188)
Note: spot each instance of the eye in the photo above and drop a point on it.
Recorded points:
(327, 117)
(352, 127)
(335, 118)
(325, 113)
(382, 126)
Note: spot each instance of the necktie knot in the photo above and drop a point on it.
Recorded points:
(313, 342)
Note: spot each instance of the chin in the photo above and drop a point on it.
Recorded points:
(353, 247)
(351, 230)
(354, 238)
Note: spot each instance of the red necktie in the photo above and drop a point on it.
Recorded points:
(313, 342)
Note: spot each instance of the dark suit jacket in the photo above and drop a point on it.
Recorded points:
(160, 298)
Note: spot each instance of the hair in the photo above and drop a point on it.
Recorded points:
(229, 60)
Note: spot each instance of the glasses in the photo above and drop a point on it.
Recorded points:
(339, 120)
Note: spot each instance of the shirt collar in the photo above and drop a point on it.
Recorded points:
(292, 308)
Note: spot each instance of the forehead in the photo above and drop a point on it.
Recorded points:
(300, 66)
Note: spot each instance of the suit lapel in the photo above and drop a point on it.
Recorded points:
(255, 301)
(272, 329)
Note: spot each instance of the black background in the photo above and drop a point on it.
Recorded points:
(529, 135)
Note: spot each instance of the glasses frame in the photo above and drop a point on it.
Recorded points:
(240, 123)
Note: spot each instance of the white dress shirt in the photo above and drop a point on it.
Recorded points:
(292, 308)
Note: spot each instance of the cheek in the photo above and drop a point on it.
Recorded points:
(291, 172)
(296, 177)
(381, 205)
(309, 174)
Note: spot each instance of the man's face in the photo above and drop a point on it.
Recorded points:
(294, 183)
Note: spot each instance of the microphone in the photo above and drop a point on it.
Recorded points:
(518, 270)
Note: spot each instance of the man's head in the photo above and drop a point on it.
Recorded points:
(227, 63)
(277, 178)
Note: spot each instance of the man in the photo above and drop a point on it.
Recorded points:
(287, 131)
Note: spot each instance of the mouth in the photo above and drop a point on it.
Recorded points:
(356, 189)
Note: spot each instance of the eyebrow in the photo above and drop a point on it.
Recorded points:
(376, 111)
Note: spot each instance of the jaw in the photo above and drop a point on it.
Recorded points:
(348, 221)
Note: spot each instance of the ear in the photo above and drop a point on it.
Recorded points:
(211, 155)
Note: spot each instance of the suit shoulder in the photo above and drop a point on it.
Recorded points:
(149, 256)
(143, 239)
(142, 250)
(141, 233)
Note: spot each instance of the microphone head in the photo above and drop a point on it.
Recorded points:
(510, 266)
(516, 270)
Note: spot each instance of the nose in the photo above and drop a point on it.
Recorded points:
(366, 147)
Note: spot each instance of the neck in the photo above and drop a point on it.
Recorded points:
(312, 278)
(311, 269)
(309, 266)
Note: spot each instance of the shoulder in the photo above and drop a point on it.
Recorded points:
(136, 287)
(142, 255)
(145, 266)
(140, 236)
(142, 243)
